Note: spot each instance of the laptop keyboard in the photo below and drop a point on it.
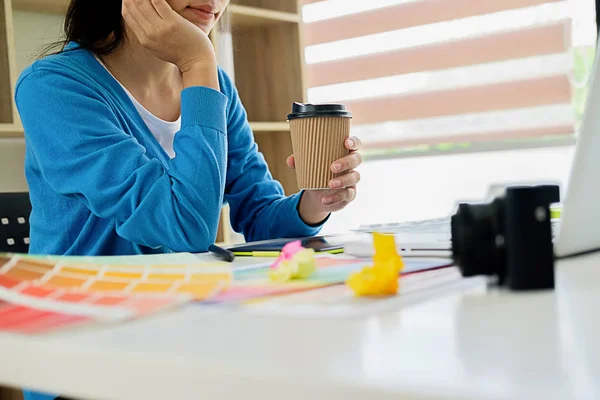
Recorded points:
(439, 226)
(436, 226)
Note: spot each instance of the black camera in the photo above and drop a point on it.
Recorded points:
(509, 238)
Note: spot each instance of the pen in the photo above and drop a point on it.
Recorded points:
(257, 253)
(277, 253)
(222, 253)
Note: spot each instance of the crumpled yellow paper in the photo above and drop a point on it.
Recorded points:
(295, 262)
(382, 277)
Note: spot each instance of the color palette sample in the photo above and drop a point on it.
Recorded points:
(253, 285)
(41, 294)
(23, 319)
(339, 302)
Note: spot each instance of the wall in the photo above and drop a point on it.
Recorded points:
(32, 32)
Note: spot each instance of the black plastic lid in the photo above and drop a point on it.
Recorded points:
(300, 110)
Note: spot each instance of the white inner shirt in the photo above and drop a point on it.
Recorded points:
(163, 131)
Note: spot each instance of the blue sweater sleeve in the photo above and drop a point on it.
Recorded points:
(259, 208)
(82, 151)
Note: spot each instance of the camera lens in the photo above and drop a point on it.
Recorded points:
(478, 239)
(509, 238)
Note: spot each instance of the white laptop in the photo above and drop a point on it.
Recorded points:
(579, 227)
(578, 230)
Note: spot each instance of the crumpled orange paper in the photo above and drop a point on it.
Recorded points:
(382, 277)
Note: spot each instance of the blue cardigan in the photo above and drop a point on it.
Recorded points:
(100, 183)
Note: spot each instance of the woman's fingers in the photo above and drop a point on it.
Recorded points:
(350, 179)
(131, 14)
(291, 162)
(347, 163)
(163, 9)
(353, 143)
(149, 12)
(138, 14)
(149, 25)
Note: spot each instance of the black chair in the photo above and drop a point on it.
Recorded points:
(15, 209)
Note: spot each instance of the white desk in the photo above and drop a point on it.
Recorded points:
(469, 344)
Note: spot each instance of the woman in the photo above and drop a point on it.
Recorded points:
(100, 119)
(135, 139)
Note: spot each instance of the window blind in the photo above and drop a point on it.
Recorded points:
(426, 72)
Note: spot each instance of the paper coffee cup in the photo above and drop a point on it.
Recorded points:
(318, 135)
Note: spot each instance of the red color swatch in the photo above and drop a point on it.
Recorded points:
(49, 322)
(110, 300)
(149, 304)
(7, 282)
(36, 291)
(73, 297)
(19, 315)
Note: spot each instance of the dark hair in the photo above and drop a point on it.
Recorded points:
(95, 25)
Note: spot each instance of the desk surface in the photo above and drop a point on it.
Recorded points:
(471, 343)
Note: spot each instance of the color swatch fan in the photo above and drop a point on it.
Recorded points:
(39, 294)
(42, 294)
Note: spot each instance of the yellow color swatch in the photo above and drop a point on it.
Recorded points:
(79, 271)
(225, 277)
(126, 267)
(65, 282)
(168, 266)
(166, 277)
(200, 291)
(123, 275)
(105, 286)
(152, 287)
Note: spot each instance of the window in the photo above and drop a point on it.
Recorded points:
(502, 83)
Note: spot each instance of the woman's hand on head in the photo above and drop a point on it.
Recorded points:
(316, 205)
(168, 35)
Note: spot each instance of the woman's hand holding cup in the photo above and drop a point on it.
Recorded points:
(325, 158)
(316, 205)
